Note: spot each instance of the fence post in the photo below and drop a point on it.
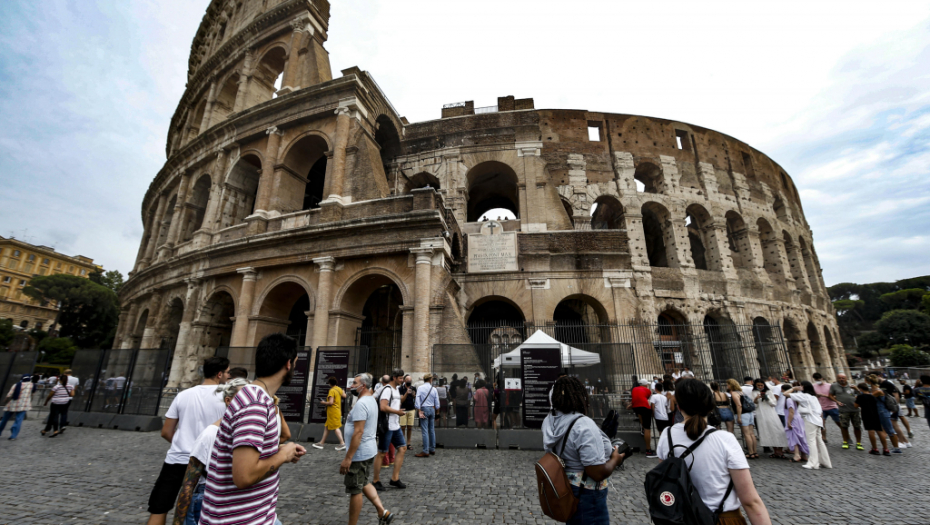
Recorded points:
(126, 387)
(96, 381)
(166, 369)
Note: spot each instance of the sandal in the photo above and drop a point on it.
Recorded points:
(777, 456)
(754, 456)
(43, 432)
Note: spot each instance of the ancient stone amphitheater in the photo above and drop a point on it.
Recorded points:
(294, 201)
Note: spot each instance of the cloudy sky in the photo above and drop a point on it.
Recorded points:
(837, 92)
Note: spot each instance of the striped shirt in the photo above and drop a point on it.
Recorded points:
(250, 421)
(62, 394)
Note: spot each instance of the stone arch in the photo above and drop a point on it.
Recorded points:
(794, 260)
(215, 320)
(196, 118)
(283, 307)
(258, 304)
(835, 359)
(738, 240)
(371, 308)
(267, 74)
(648, 177)
(724, 342)
(781, 211)
(496, 320)
(699, 224)
(771, 254)
(167, 218)
(306, 161)
(772, 361)
(489, 185)
(388, 140)
(139, 330)
(172, 314)
(796, 350)
(656, 233)
(196, 206)
(423, 179)
(339, 297)
(822, 360)
(569, 210)
(241, 190)
(225, 102)
(580, 319)
(607, 214)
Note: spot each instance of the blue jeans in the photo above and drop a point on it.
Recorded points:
(17, 423)
(193, 512)
(592, 507)
(885, 417)
(428, 429)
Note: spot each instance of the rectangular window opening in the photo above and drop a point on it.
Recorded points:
(747, 164)
(682, 141)
(594, 131)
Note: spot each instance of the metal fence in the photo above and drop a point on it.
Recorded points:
(12, 366)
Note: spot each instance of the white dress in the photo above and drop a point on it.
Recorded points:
(771, 432)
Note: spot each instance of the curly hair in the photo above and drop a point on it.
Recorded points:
(569, 395)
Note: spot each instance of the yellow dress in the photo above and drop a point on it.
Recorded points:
(334, 411)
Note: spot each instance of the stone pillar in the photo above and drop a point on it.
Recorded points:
(421, 354)
(121, 325)
(245, 75)
(148, 336)
(216, 190)
(324, 289)
(181, 364)
(208, 108)
(174, 231)
(130, 325)
(677, 247)
(156, 229)
(718, 247)
(339, 154)
(266, 182)
(240, 330)
(291, 80)
(147, 232)
(633, 222)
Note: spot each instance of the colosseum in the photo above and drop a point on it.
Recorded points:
(298, 202)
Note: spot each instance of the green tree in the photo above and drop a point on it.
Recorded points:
(37, 335)
(908, 299)
(925, 303)
(87, 311)
(6, 332)
(112, 279)
(870, 343)
(900, 326)
(906, 355)
(58, 350)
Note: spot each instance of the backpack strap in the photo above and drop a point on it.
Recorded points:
(567, 432)
(725, 496)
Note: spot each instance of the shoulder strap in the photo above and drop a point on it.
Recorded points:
(567, 432)
(725, 496)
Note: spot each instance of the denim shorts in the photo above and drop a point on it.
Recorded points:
(392, 437)
(885, 418)
(726, 415)
(833, 413)
(747, 419)
(909, 402)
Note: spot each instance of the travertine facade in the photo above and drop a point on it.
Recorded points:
(315, 208)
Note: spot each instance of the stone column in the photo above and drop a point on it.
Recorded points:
(324, 289)
(245, 75)
(266, 182)
(421, 357)
(181, 364)
(291, 80)
(718, 247)
(156, 229)
(339, 154)
(633, 222)
(121, 325)
(677, 248)
(147, 233)
(208, 108)
(148, 336)
(126, 341)
(216, 189)
(174, 231)
(240, 330)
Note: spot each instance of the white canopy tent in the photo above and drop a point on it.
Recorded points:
(570, 355)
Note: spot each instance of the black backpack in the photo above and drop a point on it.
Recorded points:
(672, 498)
(382, 427)
(746, 404)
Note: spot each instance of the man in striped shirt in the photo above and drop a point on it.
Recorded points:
(242, 479)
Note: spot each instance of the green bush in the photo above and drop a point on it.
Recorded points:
(906, 356)
(58, 350)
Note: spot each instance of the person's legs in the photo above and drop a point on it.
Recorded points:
(424, 433)
(377, 468)
(322, 442)
(6, 417)
(902, 436)
(401, 446)
(813, 459)
(196, 506)
(165, 492)
(391, 454)
(906, 424)
(872, 440)
(342, 441)
(48, 422)
(883, 437)
(54, 417)
(17, 424)
(431, 418)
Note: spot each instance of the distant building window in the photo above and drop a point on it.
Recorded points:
(6, 279)
(22, 282)
(83, 272)
(58, 265)
(45, 261)
(594, 131)
(70, 269)
(682, 140)
(32, 257)
(15, 253)
(39, 326)
(24, 324)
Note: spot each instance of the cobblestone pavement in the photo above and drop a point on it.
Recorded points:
(104, 476)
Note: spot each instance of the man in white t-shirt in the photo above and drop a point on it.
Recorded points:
(687, 374)
(747, 388)
(190, 412)
(389, 399)
(659, 408)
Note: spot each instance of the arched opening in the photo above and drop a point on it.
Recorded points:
(580, 320)
(796, 351)
(770, 252)
(389, 141)
(655, 221)
(738, 240)
(307, 159)
(225, 102)
(647, 178)
(835, 359)
(673, 343)
(491, 185)
(266, 75)
(569, 211)
(818, 351)
(166, 220)
(607, 214)
(725, 349)
(813, 276)
(285, 309)
(172, 327)
(241, 190)
(698, 222)
(139, 330)
(497, 321)
(794, 261)
(374, 318)
(780, 210)
(216, 321)
(197, 206)
(196, 119)
(422, 180)
(772, 359)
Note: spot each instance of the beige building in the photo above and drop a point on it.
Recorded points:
(19, 262)
(294, 201)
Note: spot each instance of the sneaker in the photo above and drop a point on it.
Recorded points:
(875, 452)
(910, 434)
(810, 467)
(897, 451)
(860, 447)
(908, 445)
(886, 452)
(386, 518)
(845, 445)
(399, 484)
(378, 486)
(341, 447)
(317, 445)
(651, 454)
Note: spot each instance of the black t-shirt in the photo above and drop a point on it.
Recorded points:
(908, 393)
(889, 388)
(868, 404)
(410, 402)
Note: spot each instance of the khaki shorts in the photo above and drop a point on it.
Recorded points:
(357, 477)
(846, 417)
(406, 420)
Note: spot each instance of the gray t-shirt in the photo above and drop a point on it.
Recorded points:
(365, 409)
(846, 395)
(587, 444)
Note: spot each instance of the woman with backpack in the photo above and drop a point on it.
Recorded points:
(587, 454)
(812, 414)
(717, 462)
(744, 414)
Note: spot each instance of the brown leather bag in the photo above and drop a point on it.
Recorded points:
(555, 492)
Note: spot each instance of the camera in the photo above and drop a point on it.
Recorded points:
(622, 446)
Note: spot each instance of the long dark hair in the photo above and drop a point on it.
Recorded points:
(569, 395)
(696, 400)
(808, 388)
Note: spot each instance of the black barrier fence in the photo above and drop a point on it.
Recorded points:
(12, 366)
(86, 368)
(146, 382)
